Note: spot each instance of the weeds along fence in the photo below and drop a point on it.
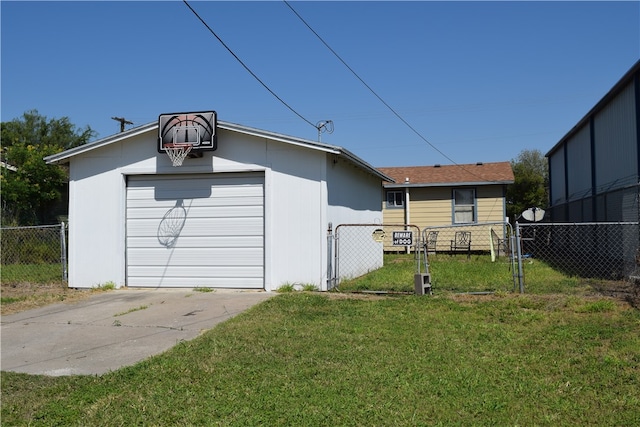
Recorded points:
(34, 254)
(603, 250)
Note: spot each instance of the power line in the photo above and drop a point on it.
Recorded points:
(374, 92)
(245, 66)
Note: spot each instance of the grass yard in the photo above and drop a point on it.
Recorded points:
(449, 273)
(27, 286)
(559, 356)
(478, 274)
(34, 273)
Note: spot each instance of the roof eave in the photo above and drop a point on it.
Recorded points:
(65, 156)
(444, 184)
(307, 143)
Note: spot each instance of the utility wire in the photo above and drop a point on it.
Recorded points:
(366, 85)
(245, 66)
(375, 94)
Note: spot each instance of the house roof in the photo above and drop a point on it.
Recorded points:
(66, 156)
(446, 175)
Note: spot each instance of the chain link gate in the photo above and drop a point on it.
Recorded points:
(495, 240)
(360, 249)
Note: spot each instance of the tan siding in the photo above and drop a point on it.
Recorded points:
(393, 216)
(431, 206)
(490, 203)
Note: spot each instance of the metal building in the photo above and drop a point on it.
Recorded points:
(593, 169)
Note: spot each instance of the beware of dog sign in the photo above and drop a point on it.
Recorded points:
(402, 238)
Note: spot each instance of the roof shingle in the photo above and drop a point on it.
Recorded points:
(480, 173)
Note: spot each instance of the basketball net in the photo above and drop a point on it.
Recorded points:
(178, 152)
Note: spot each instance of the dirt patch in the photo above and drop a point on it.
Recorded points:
(22, 296)
(621, 290)
(356, 295)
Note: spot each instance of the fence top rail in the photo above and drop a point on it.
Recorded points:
(575, 223)
(472, 224)
(408, 227)
(378, 225)
(31, 226)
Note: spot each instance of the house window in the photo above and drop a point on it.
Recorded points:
(395, 199)
(464, 206)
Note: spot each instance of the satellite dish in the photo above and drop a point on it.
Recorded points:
(533, 214)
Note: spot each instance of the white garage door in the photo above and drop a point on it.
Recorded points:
(195, 231)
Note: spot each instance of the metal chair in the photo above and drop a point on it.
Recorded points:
(430, 244)
(462, 242)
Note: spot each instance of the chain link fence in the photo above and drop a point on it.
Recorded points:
(488, 252)
(480, 238)
(35, 254)
(601, 250)
(360, 248)
(486, 248)
(363, 248)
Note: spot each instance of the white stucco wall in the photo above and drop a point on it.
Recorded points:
(302, 195)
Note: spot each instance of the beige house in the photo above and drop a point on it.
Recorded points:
(447, 195)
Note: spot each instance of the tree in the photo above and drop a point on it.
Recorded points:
(530, 189)
(31, 189)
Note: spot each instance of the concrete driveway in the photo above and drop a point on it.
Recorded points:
(113, 329)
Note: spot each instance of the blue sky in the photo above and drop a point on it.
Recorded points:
(481, 81)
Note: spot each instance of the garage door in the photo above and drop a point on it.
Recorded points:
(195, 231)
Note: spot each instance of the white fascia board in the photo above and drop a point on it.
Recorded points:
(358, 161)
(446, 184)
(8, 167)
(306, 143)
(64, 156)
(279, 137)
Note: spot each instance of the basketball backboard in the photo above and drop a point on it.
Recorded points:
(197, 129)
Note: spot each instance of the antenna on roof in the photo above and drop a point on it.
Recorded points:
(324, 126)
(122, 121)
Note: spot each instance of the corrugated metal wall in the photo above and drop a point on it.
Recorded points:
(616, 147)
(557, 178)
(579, 164)
(602, 160)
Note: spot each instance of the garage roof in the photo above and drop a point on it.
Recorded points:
(65, 156)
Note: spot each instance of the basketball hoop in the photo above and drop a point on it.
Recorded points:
(178, 152)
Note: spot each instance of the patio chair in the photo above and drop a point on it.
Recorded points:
(431, 243)
(462, 243)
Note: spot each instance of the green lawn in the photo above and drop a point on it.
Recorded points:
(459, 274)
(33, 273)
(333, 359)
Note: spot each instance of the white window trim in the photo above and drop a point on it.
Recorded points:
(394, 205)
(474, 206)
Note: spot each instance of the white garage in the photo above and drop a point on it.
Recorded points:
(250, 212)
(195, 231)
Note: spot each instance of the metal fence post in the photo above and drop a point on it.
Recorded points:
(330, 257)
(63, 251)
(519, 256)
